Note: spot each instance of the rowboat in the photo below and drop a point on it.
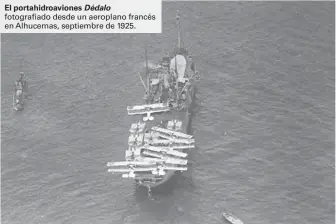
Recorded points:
(232, 218)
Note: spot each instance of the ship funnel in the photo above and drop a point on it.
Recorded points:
(179, 63)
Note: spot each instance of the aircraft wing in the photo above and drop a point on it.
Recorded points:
(154, 160)
(167, 150)
(147, 108)
(156, 155)
(171, 132)
(177, 161)
(119, 170)
(142, 176)
(159, 142)
(166, 159)
(183, 146)
(175, 168)
(127, 163)
(132, 170)
(179, 140)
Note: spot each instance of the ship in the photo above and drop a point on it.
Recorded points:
(232, 218)
(19, 93)
(159, 137)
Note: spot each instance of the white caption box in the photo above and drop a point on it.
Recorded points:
(113, 16)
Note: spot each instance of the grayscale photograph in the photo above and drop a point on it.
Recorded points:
(227, 116)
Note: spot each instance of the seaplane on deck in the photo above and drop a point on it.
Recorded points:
(166, 137)
(165, 156)
(146, 168)
(136, 139)
(167, 164)
(174, 125)
(175, 143)
(137, 127)
(148, 109)
(166, 150)
(131, 167)
(172, 133)
(132, 153)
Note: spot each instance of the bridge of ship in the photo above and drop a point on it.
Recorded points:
(169, 82)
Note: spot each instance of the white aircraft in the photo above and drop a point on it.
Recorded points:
(172, 133)
(134, 169)
(166, 159)
(141, 176)
(175, 140)
(167, 150)
(130, 163)
(148, 166)
(184, 168)
(137, 127)
(148, 109)
(161, 169)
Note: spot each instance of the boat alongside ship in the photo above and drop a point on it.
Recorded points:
(159, 137)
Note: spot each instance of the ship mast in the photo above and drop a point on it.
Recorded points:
(21, 72)
(147, 75)
(21, 65)
(178, 29)
(178, 51)
(178, 38)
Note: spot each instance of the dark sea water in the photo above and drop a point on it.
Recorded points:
(264, 123)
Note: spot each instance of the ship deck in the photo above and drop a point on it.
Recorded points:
(161, 119)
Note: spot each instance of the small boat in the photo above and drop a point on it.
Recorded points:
(231, 218)
(18, 96)
(20, 89)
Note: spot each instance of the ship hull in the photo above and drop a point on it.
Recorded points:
(18, 101)
(185, 117)
(160, 132)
